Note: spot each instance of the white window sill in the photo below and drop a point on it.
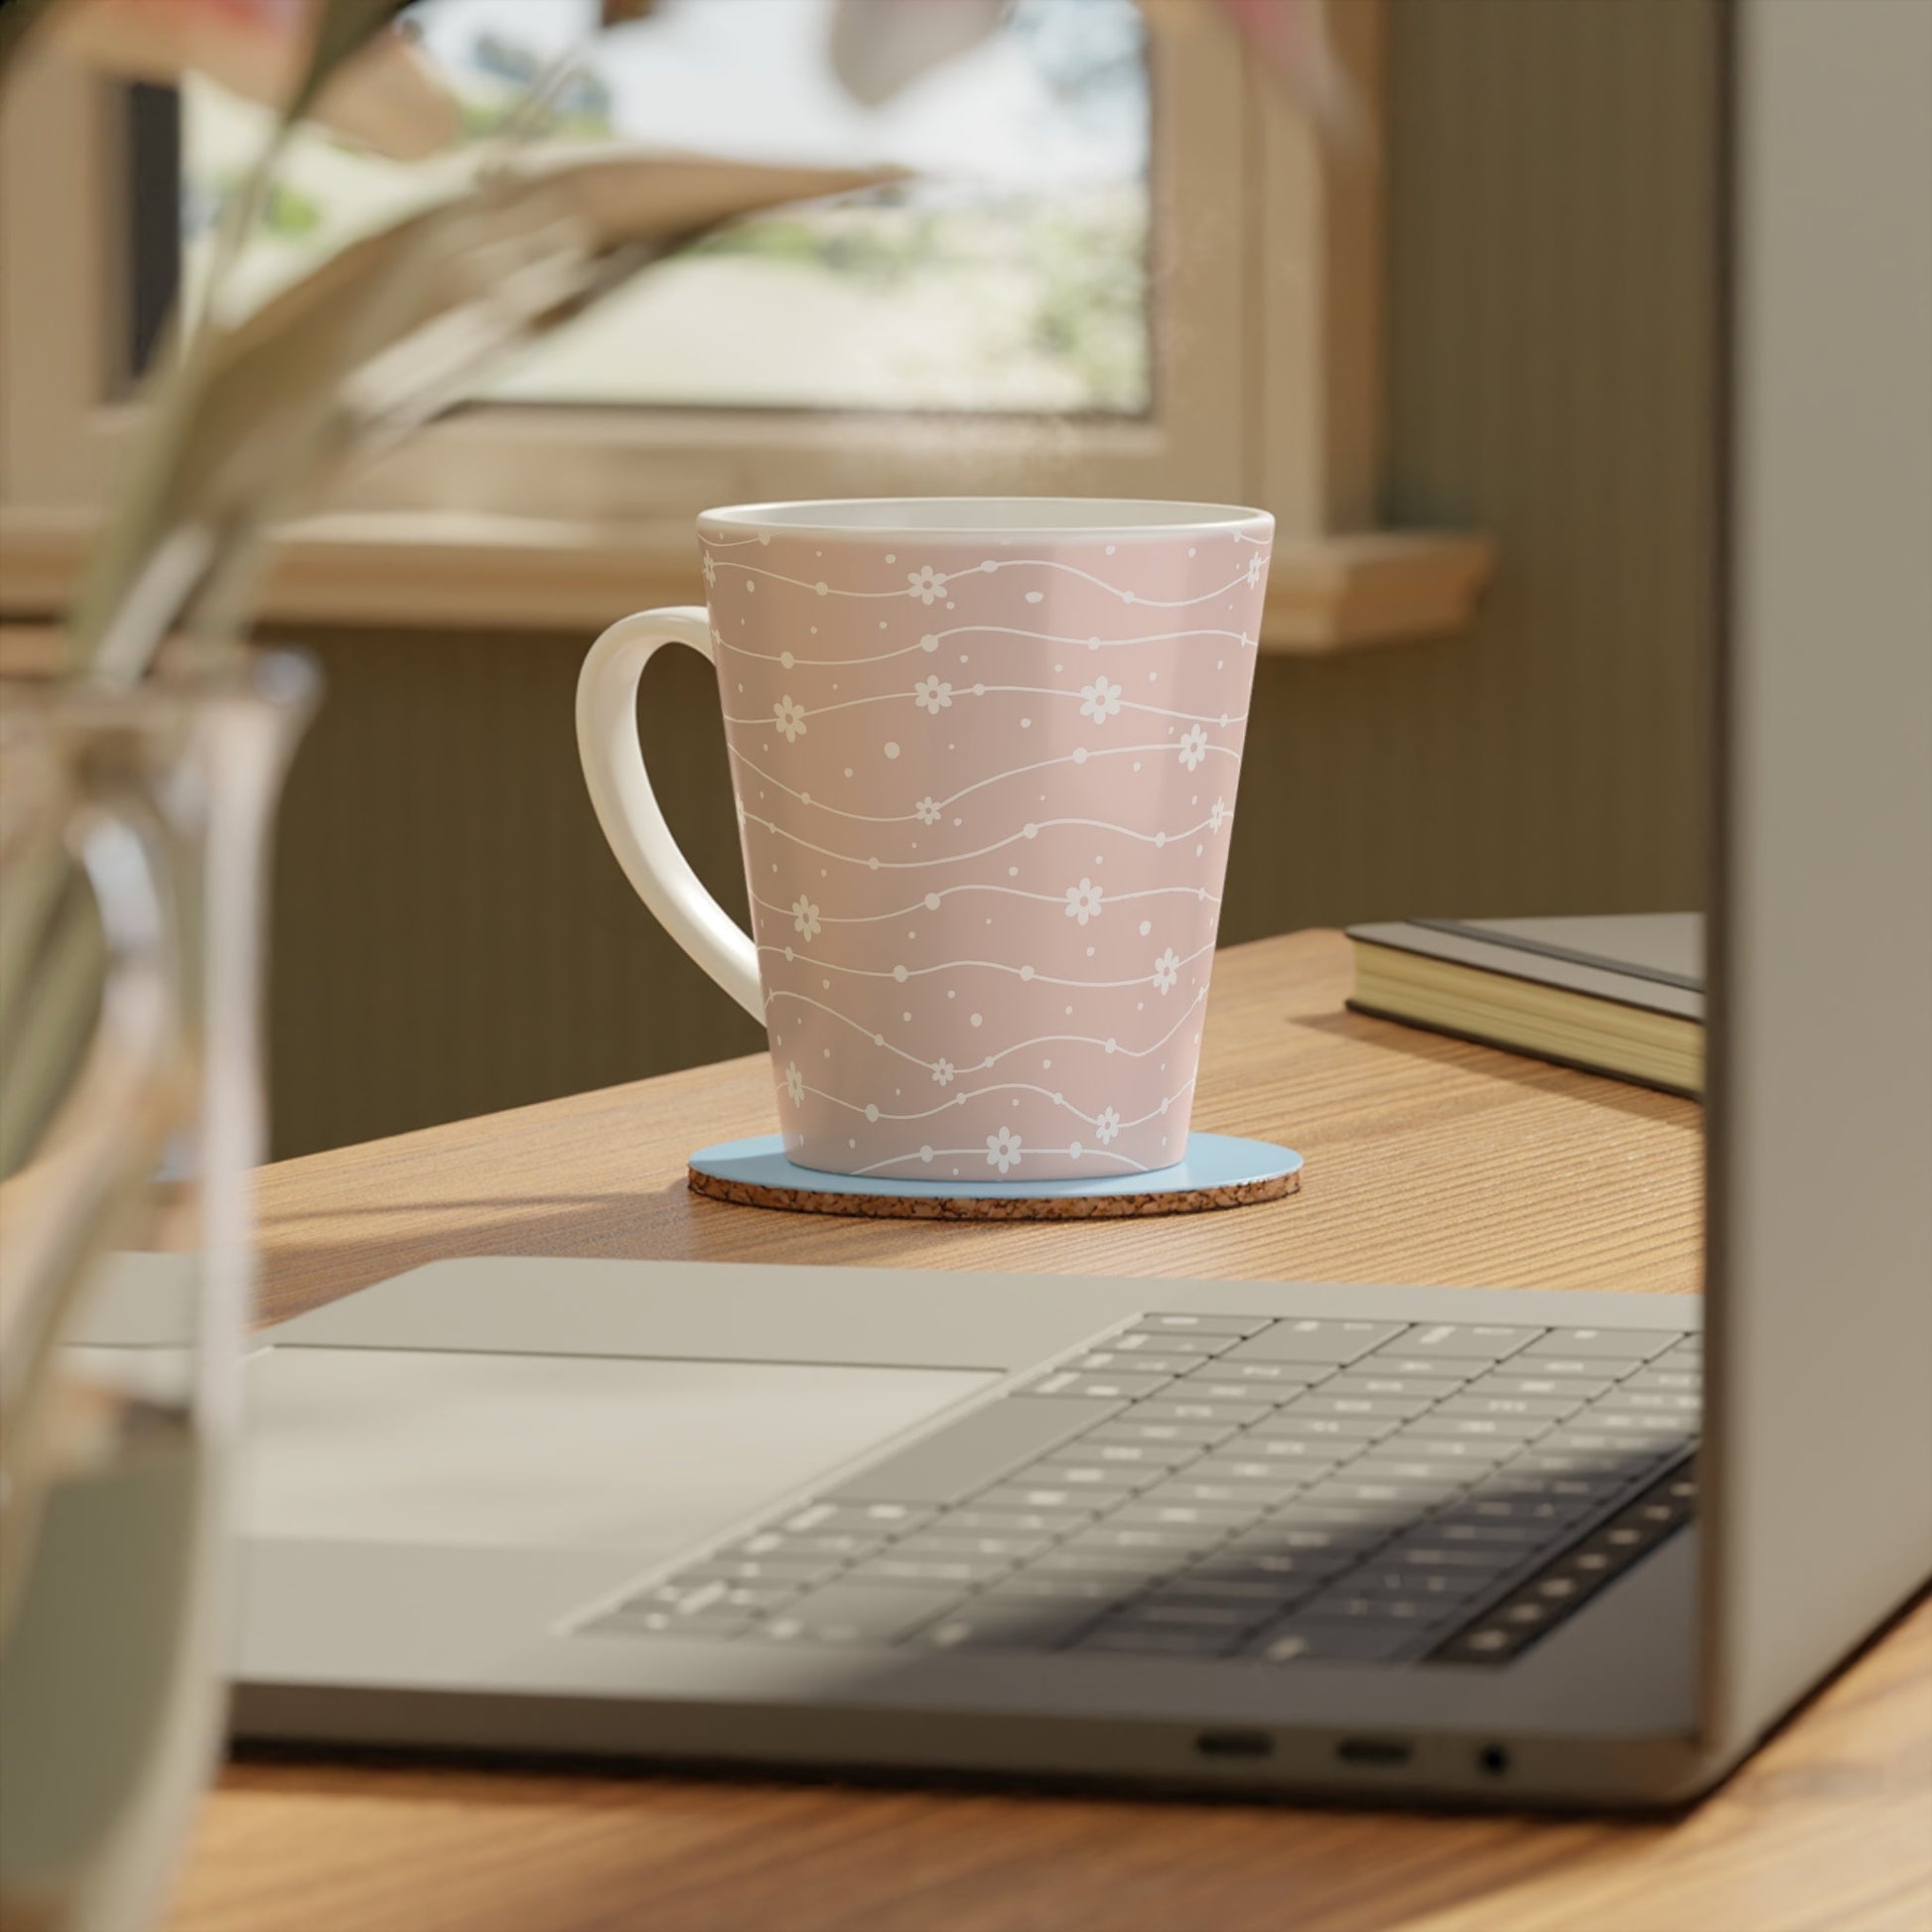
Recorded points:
(438, 571)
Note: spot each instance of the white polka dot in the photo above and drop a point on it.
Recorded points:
(1045, 1066)
(872, 865)
(872, 1113)
(1030, 831)
(891, 558)
(848, 771)
(977, 1020)
(1159, 838)
(1074, 1149)
(1025, 724)
(932, 901)
(750, 587)
(821, 587)
(1079, 755)
(905, 1016)
(930, 643)
(1035, 597)
(892, 750)
(1147, 926)
(951, 994)
(1113, 1045)
(1136, 767)
(1026, 972)
(925, 1154)
(899, 973)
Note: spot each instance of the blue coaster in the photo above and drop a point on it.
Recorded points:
(1217, 1170)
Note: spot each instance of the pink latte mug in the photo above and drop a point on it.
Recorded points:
(985, 753)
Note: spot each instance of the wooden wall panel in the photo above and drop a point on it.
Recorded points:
(454, 938)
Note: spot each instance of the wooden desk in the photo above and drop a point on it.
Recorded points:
(1428, 1160)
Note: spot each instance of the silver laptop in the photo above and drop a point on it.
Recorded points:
(1469, 1544)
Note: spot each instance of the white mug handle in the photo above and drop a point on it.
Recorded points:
(628, 809)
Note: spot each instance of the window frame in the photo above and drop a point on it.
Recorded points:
(1266, 338)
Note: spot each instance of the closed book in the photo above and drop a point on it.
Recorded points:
(1620, 995)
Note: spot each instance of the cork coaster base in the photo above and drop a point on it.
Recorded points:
(1218, 1171)
(956, 1207)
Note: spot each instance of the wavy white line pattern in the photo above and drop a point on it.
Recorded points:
(985, 883)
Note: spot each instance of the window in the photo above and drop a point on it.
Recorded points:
(1147, 280)
(1008, 274)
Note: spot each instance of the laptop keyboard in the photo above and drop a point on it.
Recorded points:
(1201, 1485)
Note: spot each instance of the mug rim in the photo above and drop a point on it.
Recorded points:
(868, 519)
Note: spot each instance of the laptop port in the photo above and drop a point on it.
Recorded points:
(1382, 1752)
(1234, 1743)
(1493, 1759)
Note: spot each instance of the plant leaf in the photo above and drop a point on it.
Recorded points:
(389, 332)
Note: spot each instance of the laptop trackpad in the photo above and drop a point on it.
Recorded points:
(558, 1452)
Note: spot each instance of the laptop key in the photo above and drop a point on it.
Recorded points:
(1138, 1341)
(1200, 1434)
(1297, 1642)
(1009, 1624)
(1326, 1402)
(1113, 1362)
(856, 1519)
(1289, 1421)
(857, 1613)
(1204, 1516)
(714, 1627)
(1620, 1344)
(1112, 1387)
(793, 1573)
(1588, 1368)
(1566, 1388)
(1174, 1407)
(1205, 1325)
(961, 1570)
(1473, 1342)
(1045, 1498)
(976, 1519)
(1091, 1476)
(1357, 1382)
(785, 1546)
(1129, 1569)
(1486, 1403)
(977, 1451)
(1156, 1640)
(1314, 1341)
(1285, 1376)
(944, 1544)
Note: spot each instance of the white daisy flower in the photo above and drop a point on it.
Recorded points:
(1256, 565)
(795, 1084)
(930, 694)
(1099, 700)
(1003, 1150)
(926, 811)
(1167, 969)
(1193, 747)
(1215, 818)
(942, 1073)
(804, 916)
(1107, 1126)
(1083, 901)
(791, 717)
(710, 571)
(926, 584)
